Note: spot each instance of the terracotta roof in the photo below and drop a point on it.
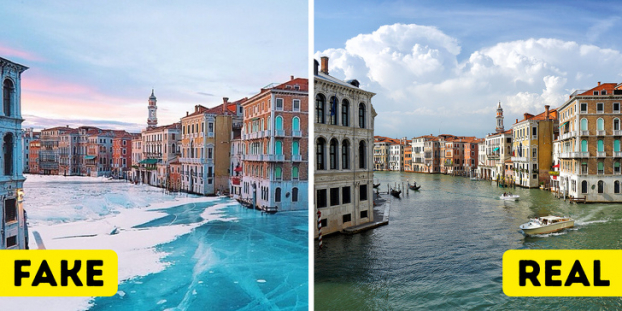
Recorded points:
(302, 83)
(609, 87)
(541, 116)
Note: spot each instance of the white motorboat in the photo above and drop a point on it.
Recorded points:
(509, 197)
(546, 224)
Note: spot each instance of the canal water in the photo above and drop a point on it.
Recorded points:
(444, 244)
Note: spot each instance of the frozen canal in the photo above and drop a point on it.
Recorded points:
(176, 252)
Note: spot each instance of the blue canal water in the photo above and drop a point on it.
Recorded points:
(443, 248)
(256, 262)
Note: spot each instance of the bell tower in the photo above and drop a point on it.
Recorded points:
(500, 118)
(152, 121)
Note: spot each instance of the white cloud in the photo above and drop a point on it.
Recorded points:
(415, 70)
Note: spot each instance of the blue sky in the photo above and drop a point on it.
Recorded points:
(442, 66)
(96, 62)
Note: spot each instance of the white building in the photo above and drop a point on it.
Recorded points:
(13, 220)
(344, 141)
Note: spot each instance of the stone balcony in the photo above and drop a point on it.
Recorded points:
(519, 159)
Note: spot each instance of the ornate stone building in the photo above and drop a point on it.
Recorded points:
(344, 143)
(13, 220)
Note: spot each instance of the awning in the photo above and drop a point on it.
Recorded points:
(237, 169)
(88, 157)
(495, 149)
(556, 165)
(564, 124)
(149, 161)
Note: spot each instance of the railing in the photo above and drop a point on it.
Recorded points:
(296, 133)
(600, 133)
(519, 159)
(279, 133)
(252, 157)
(601, 154)
(274, 157)
(617, 133)
(617, 154)
(297, 158)
(585, 133)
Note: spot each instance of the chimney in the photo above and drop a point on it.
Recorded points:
(324, 67)
(526, 115)
(292, 77)
(196, 108)
(186, 113)
(225, 101)
(315, 66)
(516, 121)
(598, 83)
(546, 108)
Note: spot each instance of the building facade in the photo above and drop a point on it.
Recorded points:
(344, 138)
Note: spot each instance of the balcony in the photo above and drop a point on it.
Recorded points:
(567, 135)
(279, 133)
(617, 133)
(519, 159)
(600, 133)
(617, 154)
(274, 157)
(266, 133)
(296, 133)
(585, 133)
(601, 154)
(297, 158)
(252, 157)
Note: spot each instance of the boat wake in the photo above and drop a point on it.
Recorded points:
(583, 223)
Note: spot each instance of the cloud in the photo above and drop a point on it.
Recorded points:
(415, 72)
(205, 94)
(602, 26)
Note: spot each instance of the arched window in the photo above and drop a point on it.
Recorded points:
(295, 172)
(601, 168)
(362, 154)
(319, 154)
(584, 145)
(295, 148)
(277, 173)
(616, 124)
(362, 115)
(294, 194)
(8, 91)
(600, 124)
(278, 147)
(320, 103)
(601, 186)
(277, 195)
(345, 113)
(333, 110)
(584, 186)
(262, 125)
(345, 155)
(584, 124)
(616, 145)
(616, 187)
(601, 145)
(8, 154)
(296, 124)
(333, 154)
(269, 126)
(279, 123)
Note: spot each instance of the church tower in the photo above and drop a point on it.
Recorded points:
(500, 118)
(152, 121)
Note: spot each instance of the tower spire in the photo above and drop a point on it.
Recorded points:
(499, 118)
(152, 120)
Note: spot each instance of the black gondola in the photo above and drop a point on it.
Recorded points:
(414, 187)
(245, 203)
(377, 185)
(396, 193)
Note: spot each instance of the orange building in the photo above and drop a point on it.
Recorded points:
(33, 157)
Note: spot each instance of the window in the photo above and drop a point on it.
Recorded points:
(345, 113)
(323, 223)
(616, 124)
(601, 168)
(616, 145)
(362, 115)
(601, 186)
(320, 103)
(584, 145)
(333, 111)
(334, 196)
(296, 104)
(332, 154)
(11, 241)
(279, 104)
(600, 124)
(295, 148)
(616, 187)
(347, 218)
(279, 123)
(363, 214)
(278, 147)
(584, 107)
(8, 154)
(534, 152)
(601, 145)
(362, 154)
(363, 193)
(277, 195)
(10, 210)
(8, 90)
(277, 173)
(616, 167)
(584, 186)
(294, 194)
(584, 124)
(345, 195)
(595, 92)
(616, 107)
(603, 92)
(321, 198)
(600, 107)
(296, 124)
(319, 154)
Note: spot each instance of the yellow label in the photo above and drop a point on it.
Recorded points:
(562, 273)
(58, 273)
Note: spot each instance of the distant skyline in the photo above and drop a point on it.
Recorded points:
(442, 66)
(95, 63)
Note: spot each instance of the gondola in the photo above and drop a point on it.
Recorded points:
(413, 187)
(245, 203)
(376, 185)
(396, 193)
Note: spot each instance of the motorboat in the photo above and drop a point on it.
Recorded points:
(546, 224)
(509, 197)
